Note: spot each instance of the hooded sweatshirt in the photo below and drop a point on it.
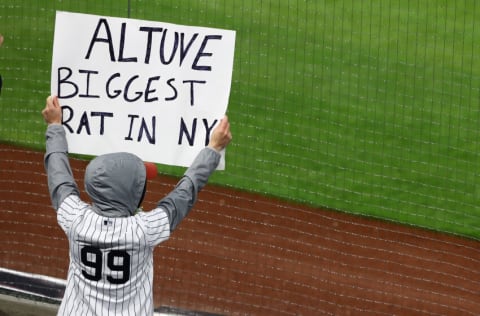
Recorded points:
(116, 184)
(110, 243)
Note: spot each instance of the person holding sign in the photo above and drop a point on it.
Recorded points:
(111, 241)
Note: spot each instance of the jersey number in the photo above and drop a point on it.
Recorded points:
(117, 260)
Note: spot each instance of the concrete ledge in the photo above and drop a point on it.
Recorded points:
(12, 305)
(27, 294)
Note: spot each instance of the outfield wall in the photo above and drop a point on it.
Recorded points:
(244, 254)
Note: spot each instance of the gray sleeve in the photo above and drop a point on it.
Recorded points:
(180, 201)
(61, 183)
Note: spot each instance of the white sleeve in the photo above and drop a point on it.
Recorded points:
(157, 226)
(69, 210)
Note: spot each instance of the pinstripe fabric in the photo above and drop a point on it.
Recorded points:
(111, 252)
(111, 260)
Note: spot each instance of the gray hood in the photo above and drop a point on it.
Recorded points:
(116, 184)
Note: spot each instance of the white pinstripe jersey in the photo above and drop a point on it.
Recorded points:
(111, 260)
(111, 255)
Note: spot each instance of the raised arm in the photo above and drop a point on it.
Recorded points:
(61, 183)
(181, 200)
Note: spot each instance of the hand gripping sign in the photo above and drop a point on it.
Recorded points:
(150, 88)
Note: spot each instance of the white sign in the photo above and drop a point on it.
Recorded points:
(150, 88)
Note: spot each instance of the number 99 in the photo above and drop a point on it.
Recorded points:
(117, 261)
